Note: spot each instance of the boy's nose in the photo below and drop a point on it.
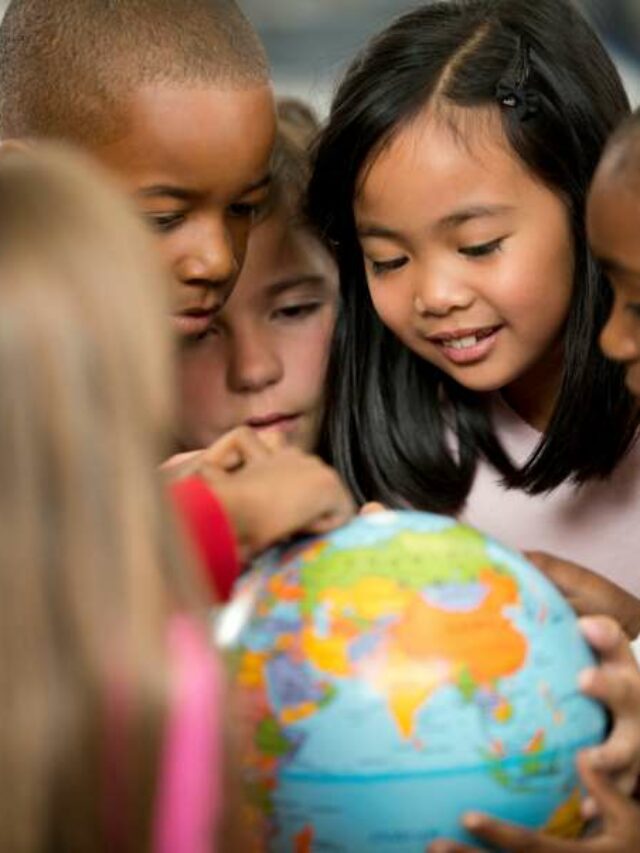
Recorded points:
(254, 364)
(620, 338)
(211, 258)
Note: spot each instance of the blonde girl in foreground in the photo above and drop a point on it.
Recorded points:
(110, 695)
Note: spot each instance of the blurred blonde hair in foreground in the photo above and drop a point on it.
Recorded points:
(90, 563)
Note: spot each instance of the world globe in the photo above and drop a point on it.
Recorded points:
(396, 673)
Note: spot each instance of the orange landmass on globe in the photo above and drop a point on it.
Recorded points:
(566, 821)
(304, 840)
(427, 647)
(250, 673)
(483, 641)
(330, 654)
(406, 683)
(283, 589)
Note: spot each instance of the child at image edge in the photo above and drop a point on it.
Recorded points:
(174, 99)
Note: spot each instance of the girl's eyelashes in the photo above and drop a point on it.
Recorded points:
(298, 311)
(164, 221)
(381, 267)
(482, 250)
(288, 313)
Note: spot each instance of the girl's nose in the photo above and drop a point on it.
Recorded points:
(437, 294)
(254, 364)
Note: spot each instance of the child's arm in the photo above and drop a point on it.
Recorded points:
(589, 593)
(620, 831)
(616, 682)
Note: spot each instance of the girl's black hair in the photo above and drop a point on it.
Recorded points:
(387, 430)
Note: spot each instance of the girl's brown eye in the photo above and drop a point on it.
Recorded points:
(382, 267)
(482, 249)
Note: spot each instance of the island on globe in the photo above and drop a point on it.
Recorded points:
(396, 673)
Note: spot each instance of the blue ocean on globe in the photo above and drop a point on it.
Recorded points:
(396, 673)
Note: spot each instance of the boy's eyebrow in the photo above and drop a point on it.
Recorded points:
(451, 220)
(182, 194)
(166, 190)
(258, 185)
(610, 266)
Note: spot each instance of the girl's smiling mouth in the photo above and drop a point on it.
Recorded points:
(466, 346)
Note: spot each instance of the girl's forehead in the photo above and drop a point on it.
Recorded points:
(439, 133)
(442, 152)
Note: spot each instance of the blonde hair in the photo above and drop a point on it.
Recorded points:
(90, 565)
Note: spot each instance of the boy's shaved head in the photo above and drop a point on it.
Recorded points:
(67, 67)
(621, 159)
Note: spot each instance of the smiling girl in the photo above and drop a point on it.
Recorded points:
(451, 179)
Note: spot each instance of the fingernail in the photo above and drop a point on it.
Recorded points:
(586, 678)
(473, 820)
(597, 629)
(589, 808)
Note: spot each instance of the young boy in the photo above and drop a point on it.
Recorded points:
(263, 363)
(613, 220)
(174, 97)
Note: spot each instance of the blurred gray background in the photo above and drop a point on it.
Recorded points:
(310, 41)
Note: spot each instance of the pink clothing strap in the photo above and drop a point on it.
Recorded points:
(189, 791)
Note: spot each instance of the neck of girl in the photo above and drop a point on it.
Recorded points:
(533, 395)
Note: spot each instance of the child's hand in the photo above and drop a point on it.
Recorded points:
(616, 683)
(269, 491)
(284, 493)
(620, 831)
(590, 594)
(229, 453)
(609, 771)
(372, 508)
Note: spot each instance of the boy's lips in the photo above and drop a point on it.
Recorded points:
(193, 321)
(466, 346)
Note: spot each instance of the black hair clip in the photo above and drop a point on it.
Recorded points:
(513, 91)
(523, 100)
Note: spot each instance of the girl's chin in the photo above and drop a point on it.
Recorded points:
(480, 379)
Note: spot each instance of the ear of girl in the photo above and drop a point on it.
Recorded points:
(451, 179)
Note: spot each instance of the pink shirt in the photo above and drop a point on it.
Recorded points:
(189, 794)
(596, 525)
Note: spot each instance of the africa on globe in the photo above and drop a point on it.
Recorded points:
(396, 673)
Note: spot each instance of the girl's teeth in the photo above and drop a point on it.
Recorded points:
(462, 343)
